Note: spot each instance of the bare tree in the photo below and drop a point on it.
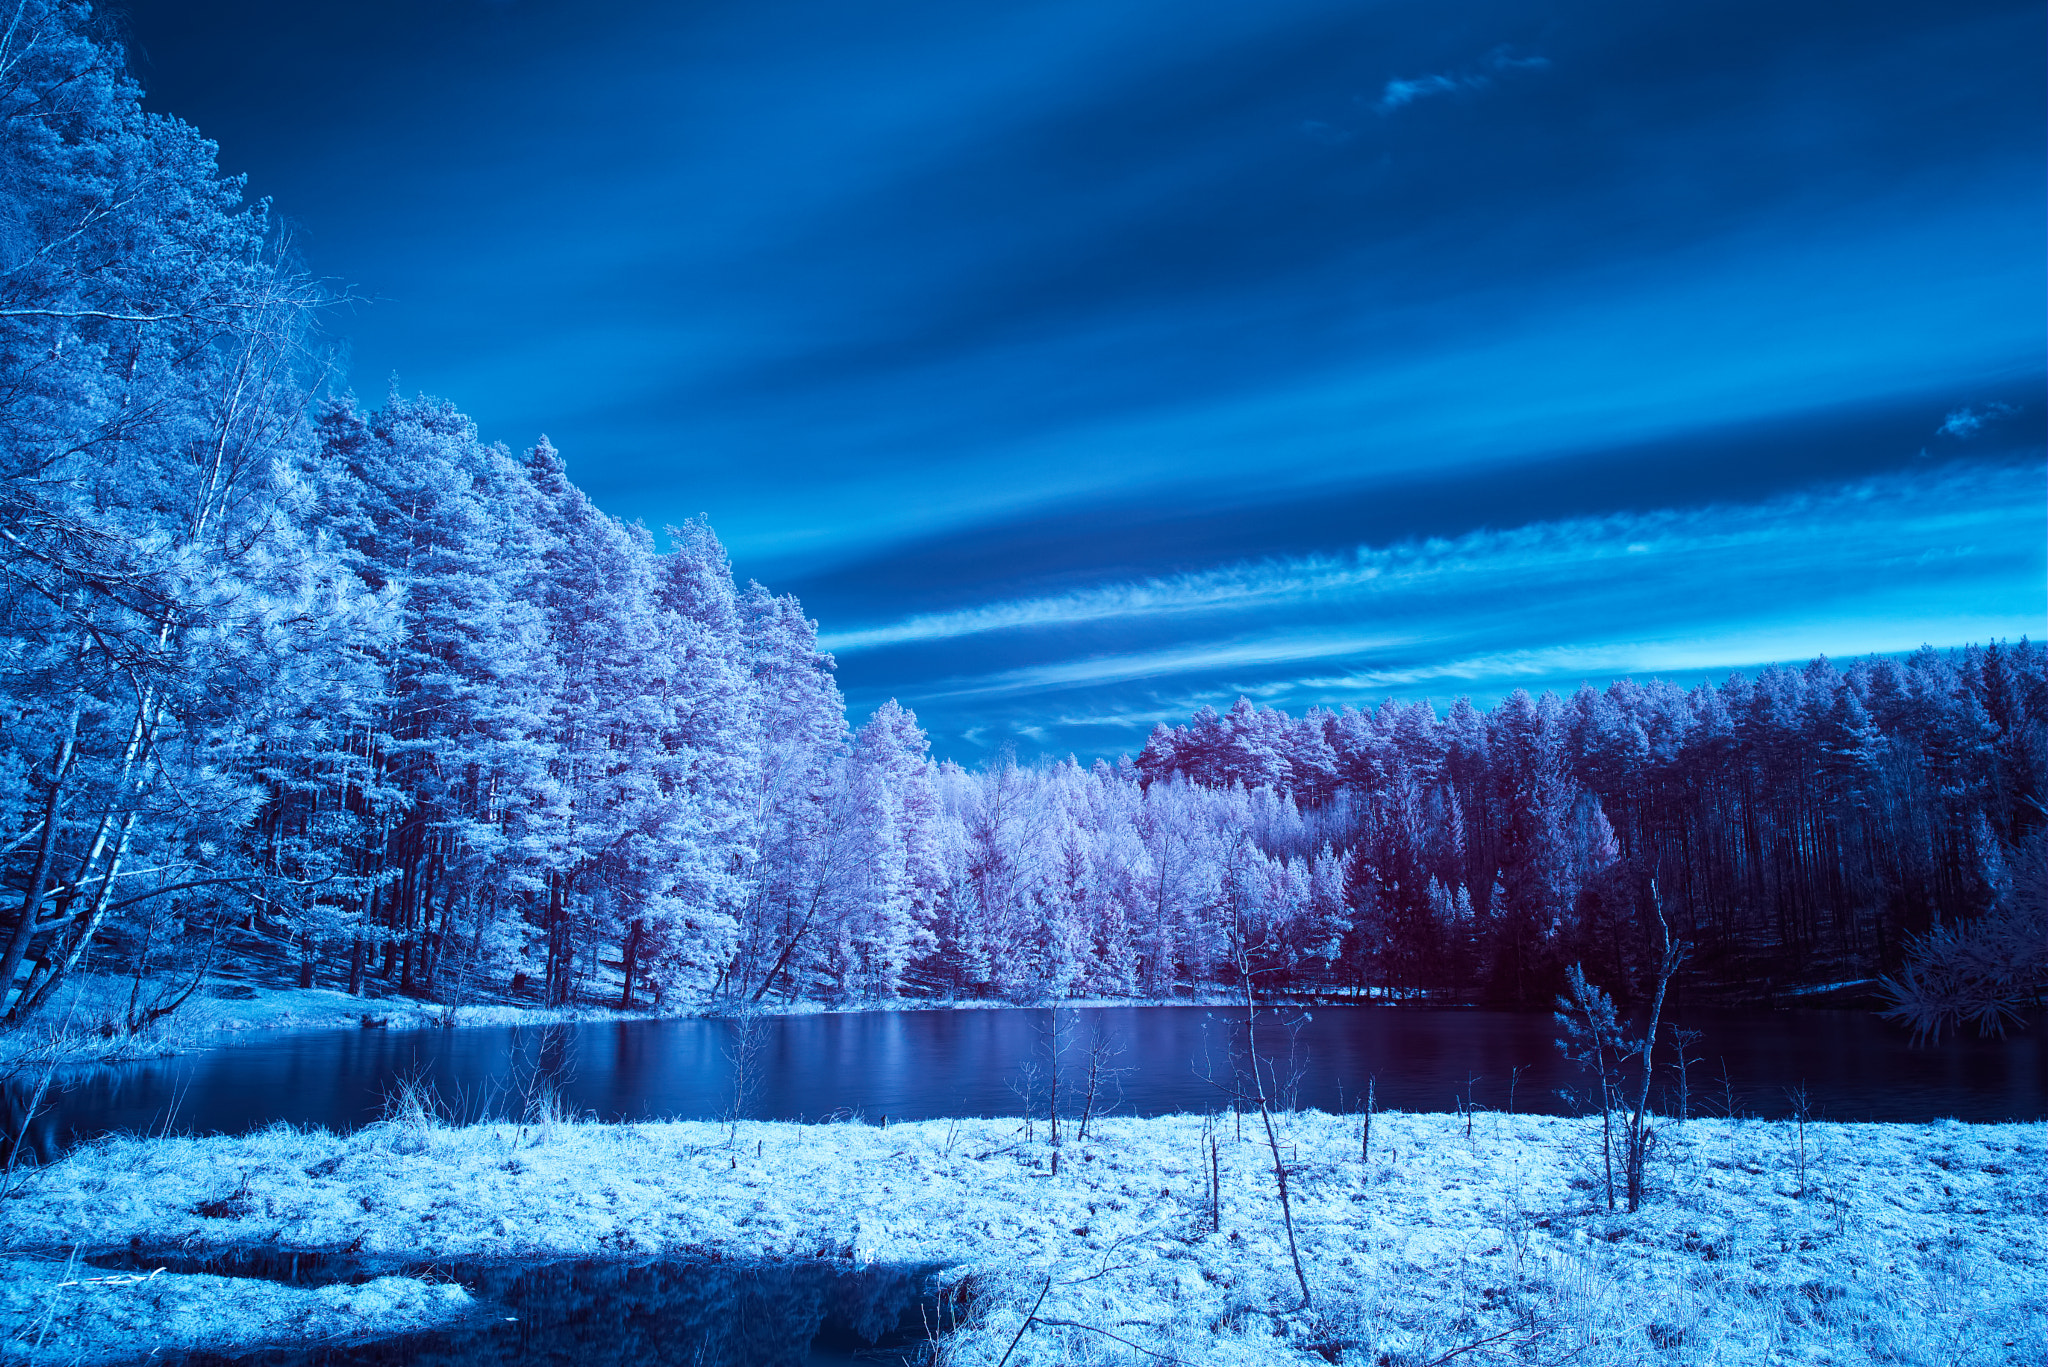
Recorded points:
(1684, 1039)
(742, 1049)
(1593, 1034)
(1640, 1134)
(1053, 1040)
(1103, 1047)
(1025, 1087)
(1253, 1083)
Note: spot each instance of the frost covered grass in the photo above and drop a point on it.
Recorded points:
(64, 1312)
(1460, 1237)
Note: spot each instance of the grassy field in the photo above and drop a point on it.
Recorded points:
(1457, 1238)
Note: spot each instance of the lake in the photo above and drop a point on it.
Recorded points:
(915, 1064)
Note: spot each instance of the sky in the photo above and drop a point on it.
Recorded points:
(1082, 362)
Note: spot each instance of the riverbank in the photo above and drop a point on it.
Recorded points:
(1759, 1242)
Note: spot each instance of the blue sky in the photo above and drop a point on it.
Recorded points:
(1080, 363)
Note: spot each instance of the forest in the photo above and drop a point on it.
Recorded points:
(296, 687)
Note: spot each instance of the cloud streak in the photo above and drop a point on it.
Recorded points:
(1965, 423)
(1831, 537)
(1935, 556)
(1246, 653)
(1014, 338)
(1399, 92)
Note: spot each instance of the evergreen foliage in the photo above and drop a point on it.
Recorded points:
(286, 684)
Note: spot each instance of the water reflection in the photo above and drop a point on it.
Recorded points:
(597, 1314)
(910, 1064)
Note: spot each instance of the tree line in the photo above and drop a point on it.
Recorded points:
(1797, 828)
(293, 685)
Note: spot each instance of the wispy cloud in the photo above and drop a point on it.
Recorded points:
(1826, 536)
(1256, 652)
(1402, 91)
(1925, 557)
(1125, 721)
(1737, 646)
(1399, 92)
(1966, 422)
(1229, 588)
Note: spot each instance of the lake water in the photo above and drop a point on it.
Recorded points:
(914, 1064)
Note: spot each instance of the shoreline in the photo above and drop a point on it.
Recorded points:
(1839, 1243)
(228, 1011)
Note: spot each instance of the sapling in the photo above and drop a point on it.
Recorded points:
(742, 1051)
(1514, 1221)
(1208, 1162)
(1684, 1039)
(1102, 1047)
(1639, 1134)
(1025, 1088)
(1256, 1094)
(1053, 1041)
(1797, 1096)
(1591, 1036)
(1287, 1090)
(541, 1070)
(1215, 1187)
(1727, 1091)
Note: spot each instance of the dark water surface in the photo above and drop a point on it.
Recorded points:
(628, 1314)
(914, 1064)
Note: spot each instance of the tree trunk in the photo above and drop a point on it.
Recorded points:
(441, 938)
(39, 879)
(1638, 1136)
(88, 926)
(817, 897)
(631, 954)
(1244, 972)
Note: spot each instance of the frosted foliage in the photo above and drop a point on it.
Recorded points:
(300, 688)
(891, 876)
(1455, 1238)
